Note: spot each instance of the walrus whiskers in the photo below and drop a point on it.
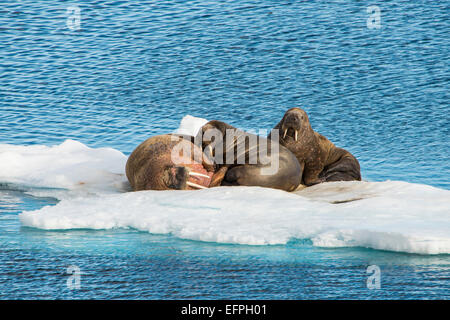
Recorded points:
(194, 185)
(199, 174)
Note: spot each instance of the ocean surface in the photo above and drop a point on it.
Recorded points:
(83, 83)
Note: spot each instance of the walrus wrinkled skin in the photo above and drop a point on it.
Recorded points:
(161, 163)
(267, 163)
(320, 159)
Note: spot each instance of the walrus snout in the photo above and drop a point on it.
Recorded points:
(187, 177)
(292, 123)
(291, 126)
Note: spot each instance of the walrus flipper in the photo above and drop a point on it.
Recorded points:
(345, 168)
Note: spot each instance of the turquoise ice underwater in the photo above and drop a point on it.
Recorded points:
(74, 104)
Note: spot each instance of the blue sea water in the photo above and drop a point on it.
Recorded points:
(134, 69)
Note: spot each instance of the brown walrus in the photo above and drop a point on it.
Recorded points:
(168, 162)
(177, 162)
(320, 159)
(245, 159)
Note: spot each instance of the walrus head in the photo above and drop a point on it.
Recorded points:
(219, 140)
(168, 162)
(294, 125)
(214, 139)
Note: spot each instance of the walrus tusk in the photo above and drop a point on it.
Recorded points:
(296, 135)
(194, 185)
(285, 132)
(210, 150)
(199, 175)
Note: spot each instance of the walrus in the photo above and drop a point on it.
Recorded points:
(320, 159)
(168, 162)
(244, 159)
